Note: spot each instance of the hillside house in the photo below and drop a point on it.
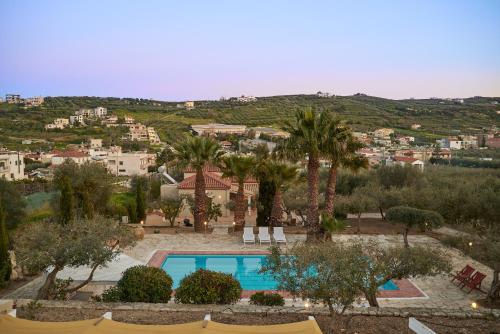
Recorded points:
(11, 165)
(405, 161)
(215, 128)
(131, 163)
(77, 157)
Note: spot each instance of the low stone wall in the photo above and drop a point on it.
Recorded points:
(232, 309)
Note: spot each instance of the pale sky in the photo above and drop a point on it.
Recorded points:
(178, 50)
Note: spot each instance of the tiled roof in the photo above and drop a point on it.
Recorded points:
(405, 159)
(212, 182)
(72, 154)
(207, 168)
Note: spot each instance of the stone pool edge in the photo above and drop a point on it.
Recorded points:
(407, 289)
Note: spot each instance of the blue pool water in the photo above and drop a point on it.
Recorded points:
(244, 267)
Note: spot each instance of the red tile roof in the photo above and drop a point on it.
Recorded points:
(72, 154)
(212, 182)
(207, 168)
(405, 159)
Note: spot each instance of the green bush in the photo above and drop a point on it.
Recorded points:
(208, 287)
(141, 284)
(110, 295)
(267, 299)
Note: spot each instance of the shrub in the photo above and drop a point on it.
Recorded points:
(267, 299)
(109, 295)
(208, 287)
(143, 284)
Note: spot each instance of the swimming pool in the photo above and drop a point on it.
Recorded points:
(244, 267)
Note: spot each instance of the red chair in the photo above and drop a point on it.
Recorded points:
(463, 274)
(474, 282)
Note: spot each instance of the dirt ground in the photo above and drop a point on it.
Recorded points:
(357, 324)
(374, 226)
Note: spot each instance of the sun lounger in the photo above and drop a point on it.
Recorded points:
(264, 235)
(474, 282)
(248, 236)
(279, 235)
(463, 274)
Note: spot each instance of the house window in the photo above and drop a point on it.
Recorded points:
(122, 170)
(121, 163)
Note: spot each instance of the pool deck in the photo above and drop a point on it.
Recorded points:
(406, 288)
(438, 291)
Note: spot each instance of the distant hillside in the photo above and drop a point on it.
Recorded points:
(437, 116)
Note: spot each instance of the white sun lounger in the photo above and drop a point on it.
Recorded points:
(279, 235)
(264, 235)
(248, 236)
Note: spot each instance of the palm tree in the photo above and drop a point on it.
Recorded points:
(280, 174)
(197, 152)
(340, 148)
(239, 168)
(307, 133)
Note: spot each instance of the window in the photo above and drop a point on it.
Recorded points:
(121, 163)
(122, 170)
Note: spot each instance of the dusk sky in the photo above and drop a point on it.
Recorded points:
(178, 50)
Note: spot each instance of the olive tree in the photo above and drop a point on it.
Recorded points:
(51, 246)
(378, 265)
(410, 217)
(337, 274)
(172, 207)
(358, 203)
(322, 272)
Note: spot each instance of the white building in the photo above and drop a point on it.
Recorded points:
(153, 137)
(141, 132)
(189, 105)
(76, 156)
(11, 165)
(215, 128)
(276, 133)
(384, 133)
(246, 99)
(59, 123)
(33, 101)
(128, 120)
(98, 112)
(133, 163)
(95, 143)
(73, 119)
(403, 161)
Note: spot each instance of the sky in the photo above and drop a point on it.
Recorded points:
(192, 50)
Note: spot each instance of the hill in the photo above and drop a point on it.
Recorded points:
(437, 117)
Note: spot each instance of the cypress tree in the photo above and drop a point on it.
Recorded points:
(140, 200)
(265, 202)
(5, 265)
(66, 204)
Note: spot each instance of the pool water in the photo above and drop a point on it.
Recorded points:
(245, 268)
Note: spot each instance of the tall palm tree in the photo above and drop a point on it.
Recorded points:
(307, 132)
(239, 168)
(280, 174)
(340, 148)
(197, 152)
